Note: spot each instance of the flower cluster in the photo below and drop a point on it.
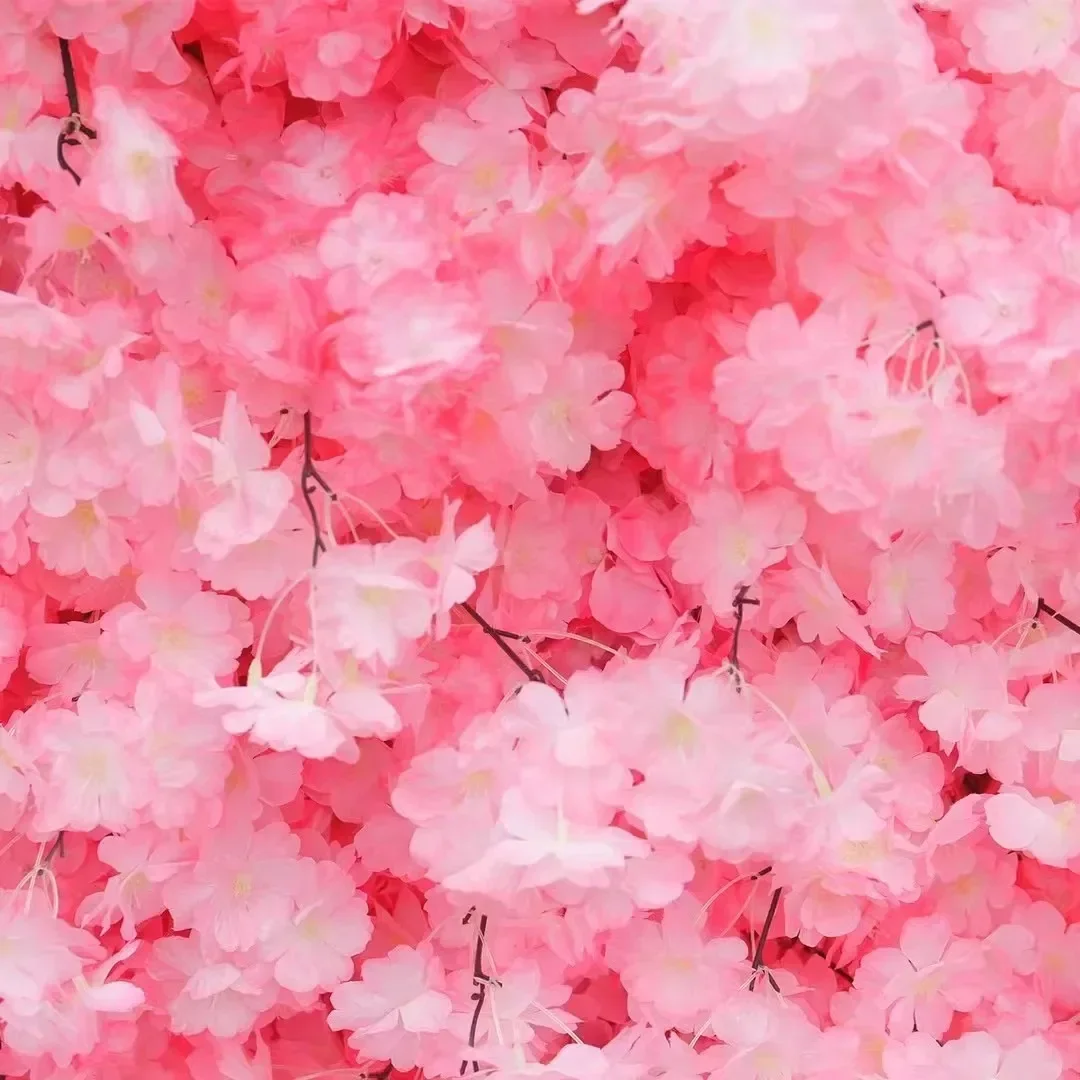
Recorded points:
(538, 539)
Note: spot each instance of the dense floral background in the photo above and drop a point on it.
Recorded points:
(539, 539)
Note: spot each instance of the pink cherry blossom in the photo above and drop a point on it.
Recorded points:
(216, 992)
(734, 539)
(580, 407)
(330, 927)
(372, 599)
(182, 629)
(250, 497)
(232, 892)
(40, 952)
(401, 990)
(90, 769)
(280, 711)
(133, 176)
(144, 859)
(926, 979)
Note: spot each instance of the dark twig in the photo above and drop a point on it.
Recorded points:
(758, 963)
(194, 49)
(1063, 619)
(74, 121)
(848, 978)
(481, 982)
(739, 604)
(499, 637)
(310, 482)
(56, 848)
(41, 865)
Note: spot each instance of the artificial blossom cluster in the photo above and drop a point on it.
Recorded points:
(539, 539)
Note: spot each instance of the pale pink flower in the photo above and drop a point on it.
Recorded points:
(910, 587)
(402, 990)
(90, 769)
(166, 450)
(264, 567)
(763, 1036)
(69, 1022)
(249, 497)
(144, 860)
(369, 601)
(1000, 305)
(238, 891)
(383, 235)
(197, 306)
(280, 711)
(20, 444)
(734, 538)
(133, 170)
(580, 408)
(67, 656)
(185, 750)
(40, 951)
(673, 977)
(412, 328)
(181, 628)
(1046, 828)
(809, 594)
(924, 981)
(458, 560)
(360, 708)
(962, 684)
(1021, 35)
(85, 537)
(331, 925)
(313, 168)
(14, 774)
(548, 848)
(222, 994)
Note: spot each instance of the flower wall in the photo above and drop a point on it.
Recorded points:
(539, 540)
